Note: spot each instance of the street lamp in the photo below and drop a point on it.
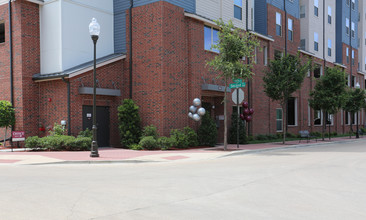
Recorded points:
(94, 30)
(357, 135)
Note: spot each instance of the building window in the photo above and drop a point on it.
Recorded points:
(365, 63)
(318, 117)
(2, 32)
(365, 38)
(316, 7)
(302, 44)
(329, 47)
(211, 38)
(347, 26)
(353, 4)
(353, 81)
(317, 71)
(329, 15)
(353, 57)
(329, 118)
(290, 30)
(238, 4)
(278, 54)
(278, 24)
(347, 1)
(279, 120)
(255, 55)
(316, 44)
(302, 11)
(265, 56)
(353, 30)
(347, 55)
(347, 118)
(292, 111)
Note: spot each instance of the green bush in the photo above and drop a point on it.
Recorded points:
(129, 123)
(58, 130)
(363, 130)
(251, 138)
(315, 134)
(207, 132)
(191, 136)
(149, 143)
(165, 143)
(290, 135)
(81, 143)
(271, 136)
(180, 139)
(261, 137)
(32, 142)
(150, 130)
(86, 133)
(136, 147)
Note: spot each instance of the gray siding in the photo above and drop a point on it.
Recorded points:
(260, 19)
(120, 7)
(292, 8)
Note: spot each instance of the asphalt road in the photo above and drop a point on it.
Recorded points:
(322, 182)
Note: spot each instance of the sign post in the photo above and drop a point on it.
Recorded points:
(16, 137)
(238, 84)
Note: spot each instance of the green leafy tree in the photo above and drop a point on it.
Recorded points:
(233, 130)
(234, 44)
(329, 93)
(355, 101)
(7, 116)
(129, 123)
(283, 77)
(207, 132)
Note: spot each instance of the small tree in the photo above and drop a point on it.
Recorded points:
(7, 116)
(284, 77)
(329, 93)
(129, 123)
(234, 44)
(207, 132)
(355, 101)
(233, 130)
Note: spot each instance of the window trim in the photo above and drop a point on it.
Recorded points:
(265, 55)
(212, 38)
(316, 41)
(347, 27)
(290, 30)
(279, 16)
(329, 47)
(329, 15)
(241, 10)
(316, 8)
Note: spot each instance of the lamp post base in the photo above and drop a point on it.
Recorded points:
(94, 150)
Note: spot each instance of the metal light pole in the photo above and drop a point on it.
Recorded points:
(94, 30)
(357, 134)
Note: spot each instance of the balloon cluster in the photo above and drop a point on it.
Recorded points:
(247, 113)
(194, 112)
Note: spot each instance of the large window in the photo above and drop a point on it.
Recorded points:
(290, 30)
(316, 41)
(347, 54)
(302, 44)
(317, 71)
(329, 47)
(211, 38)
(353, 4)
(2, 32)
(353, 57)
(318, 117)
(278, 24)
(292, 111)
(316, 7)
(353, 30)
(347, 26)
(329, 15)
(302, 11)
(265, 56)
(238, 9)
(279, 120)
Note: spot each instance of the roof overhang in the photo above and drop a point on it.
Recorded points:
(80, 69)
(306, 52)
(340, 65)
(200, 18)
(39, 2)
(261, 36)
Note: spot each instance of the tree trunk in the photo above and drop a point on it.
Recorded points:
(324, 124)
(6, 130)
(225, 116)
(284, 123)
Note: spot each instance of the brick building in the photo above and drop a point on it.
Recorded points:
(51, 60)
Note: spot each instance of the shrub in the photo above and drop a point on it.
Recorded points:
(207, 132)
(32, 142)
(363, 130)
(149, 143)
(290, 135)
(136, 147)
(191, 136)
(165, 143)
(180, 139)
(261, 137)
(129, 123)
(251, 138)
(150, 131)
(271, 136)
(58, 130)
(86, 133)
(315, 134)
(334, 134)
(81, 143)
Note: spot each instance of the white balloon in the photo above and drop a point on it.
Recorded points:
(193, 109)
(190, 115)
(196, 117)
(201, 111)
(196, 102)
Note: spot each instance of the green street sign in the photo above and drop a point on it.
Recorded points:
(238, 80)
(237, 85)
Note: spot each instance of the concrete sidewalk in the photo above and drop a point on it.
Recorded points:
(115, 155)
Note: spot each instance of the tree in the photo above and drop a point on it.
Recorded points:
(329, 93)
(283, 77)
(355, 101)
(7, 116)
(234, 44)
(207, 132)
(129, 123)
(233, 130)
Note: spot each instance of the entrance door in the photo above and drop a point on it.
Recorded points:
(102, 123)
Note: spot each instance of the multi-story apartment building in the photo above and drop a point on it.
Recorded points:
(155, 52)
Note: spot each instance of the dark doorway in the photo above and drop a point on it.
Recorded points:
(102, 123)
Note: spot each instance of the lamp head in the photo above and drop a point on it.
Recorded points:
(94, 28)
